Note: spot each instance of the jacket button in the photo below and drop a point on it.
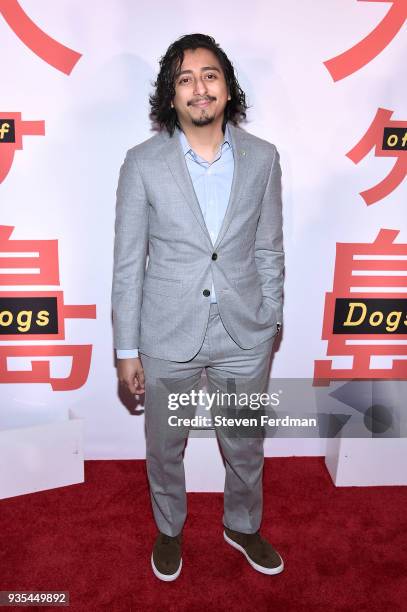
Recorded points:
(206, 292)
(214, 256)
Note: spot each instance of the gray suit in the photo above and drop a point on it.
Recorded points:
(166, 310)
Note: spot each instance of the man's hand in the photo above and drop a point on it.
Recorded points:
(131, 374)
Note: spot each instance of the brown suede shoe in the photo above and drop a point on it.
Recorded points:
(166, 558)
(259, 553)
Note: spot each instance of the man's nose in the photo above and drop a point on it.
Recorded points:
(200, 87)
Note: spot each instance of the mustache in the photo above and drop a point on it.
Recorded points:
(207, 98)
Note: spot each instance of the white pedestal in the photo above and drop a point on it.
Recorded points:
(39, 457)
(363, 462)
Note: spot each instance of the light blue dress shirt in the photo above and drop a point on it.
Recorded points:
(212, 183)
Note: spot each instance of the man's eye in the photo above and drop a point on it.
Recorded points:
(211, 75)
(184, 80)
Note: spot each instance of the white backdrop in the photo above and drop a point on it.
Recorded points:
(62, 185)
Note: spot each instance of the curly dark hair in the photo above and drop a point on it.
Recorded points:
(162, 115)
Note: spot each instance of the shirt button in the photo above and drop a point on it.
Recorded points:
(206, 292)
(214, 256)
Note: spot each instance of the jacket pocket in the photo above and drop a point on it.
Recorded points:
(170, 287)
(247, 283)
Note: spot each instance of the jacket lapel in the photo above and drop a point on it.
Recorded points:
(240, 154)
(174, 157)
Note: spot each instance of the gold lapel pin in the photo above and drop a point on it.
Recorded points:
(242, 152)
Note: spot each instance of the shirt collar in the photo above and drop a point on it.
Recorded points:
(186, 147)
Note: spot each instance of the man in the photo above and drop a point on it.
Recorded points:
(204, 198)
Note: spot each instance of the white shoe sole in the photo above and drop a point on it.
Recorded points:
(165, 577)
(256, 566)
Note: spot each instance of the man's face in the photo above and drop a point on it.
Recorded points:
(201, 92)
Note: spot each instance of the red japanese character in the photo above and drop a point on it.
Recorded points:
(42, 258)
(40, 370)
(51, 51)
(12, 130)
(365, 314)
(37, 315)
(367, 49)
(374, 139)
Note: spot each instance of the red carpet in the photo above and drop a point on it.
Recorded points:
(345, 549)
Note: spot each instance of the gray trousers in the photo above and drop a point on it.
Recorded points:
(228, 368)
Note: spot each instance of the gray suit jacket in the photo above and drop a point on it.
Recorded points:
(163, 309)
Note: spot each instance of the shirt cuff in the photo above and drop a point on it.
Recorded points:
(126, 353)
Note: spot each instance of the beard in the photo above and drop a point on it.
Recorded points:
(203, 119)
